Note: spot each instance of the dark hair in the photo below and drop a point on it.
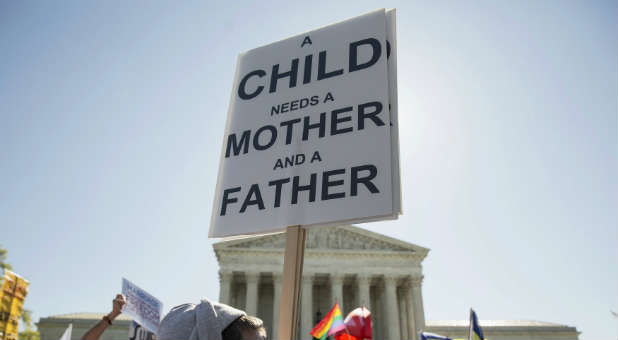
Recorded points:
(244, 323)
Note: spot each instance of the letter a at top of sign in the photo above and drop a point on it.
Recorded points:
(306, 41)
(376, 147)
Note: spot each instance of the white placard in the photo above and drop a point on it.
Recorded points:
(308, 136)
(144, 308)
(137, 332)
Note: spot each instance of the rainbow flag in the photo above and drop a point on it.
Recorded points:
(331, 324)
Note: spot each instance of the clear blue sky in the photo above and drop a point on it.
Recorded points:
(112, 118)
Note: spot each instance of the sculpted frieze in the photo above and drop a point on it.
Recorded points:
(325, 238)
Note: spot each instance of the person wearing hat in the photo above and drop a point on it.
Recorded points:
(209, 320)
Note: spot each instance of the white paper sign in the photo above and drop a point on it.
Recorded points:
(137, 332)
(144, 308)
(308, 139)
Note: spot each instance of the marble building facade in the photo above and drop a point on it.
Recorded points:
(346, 264)
(354, 267)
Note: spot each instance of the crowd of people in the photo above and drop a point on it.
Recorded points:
(204, 320)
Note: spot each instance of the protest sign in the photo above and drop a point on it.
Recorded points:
(309, 138)
(144, 308)
(137, 332)
(13, 291)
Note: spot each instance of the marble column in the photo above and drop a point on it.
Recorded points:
(419, 313)
(403, 323)
(277, 279)
(252, 293)
(391, 316)
(225, 286)
(412, 329)
(306, 305)
(336, 289)
(364, 281)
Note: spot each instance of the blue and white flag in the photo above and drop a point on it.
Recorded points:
(429, 336)
(475, 332)
(144, 308)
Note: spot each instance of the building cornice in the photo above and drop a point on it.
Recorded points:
(341, 253)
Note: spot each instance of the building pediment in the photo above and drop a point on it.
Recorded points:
(345, 237)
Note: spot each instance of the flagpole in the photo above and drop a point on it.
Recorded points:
(470, 327)
(344, 325)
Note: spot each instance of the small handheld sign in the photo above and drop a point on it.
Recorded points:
(311, 139)
(144, 308)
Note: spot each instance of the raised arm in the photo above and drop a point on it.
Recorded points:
(95, 332)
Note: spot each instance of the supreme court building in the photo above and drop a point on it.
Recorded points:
(354, 267)
(346, 264)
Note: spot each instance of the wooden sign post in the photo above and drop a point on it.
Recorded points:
(289, 310)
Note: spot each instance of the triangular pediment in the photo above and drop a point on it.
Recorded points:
(345, 237)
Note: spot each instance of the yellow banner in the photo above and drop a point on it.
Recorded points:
(13, 291)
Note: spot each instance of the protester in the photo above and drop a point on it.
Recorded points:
(210, 321)
(95, 332)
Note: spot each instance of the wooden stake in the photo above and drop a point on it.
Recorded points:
(289, 310)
